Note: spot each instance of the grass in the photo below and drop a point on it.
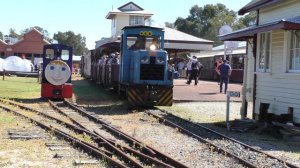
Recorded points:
(19, 87)
(87, 92)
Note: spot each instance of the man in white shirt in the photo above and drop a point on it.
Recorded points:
(180, 68)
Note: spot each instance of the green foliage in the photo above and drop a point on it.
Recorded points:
(71, 39)
(13, 34)
(246, 21)
(170, 25)
(43, 31)
(1, 35)
(206, 21)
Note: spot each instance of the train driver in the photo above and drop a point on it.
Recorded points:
(154, 44)
(139, 44)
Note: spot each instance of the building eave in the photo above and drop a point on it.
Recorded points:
(257, 5)
(249, 32)
(112, 15)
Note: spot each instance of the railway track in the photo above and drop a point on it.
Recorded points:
(246, 154)
(121, 150)
(104, 142)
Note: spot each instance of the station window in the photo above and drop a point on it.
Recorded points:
(136, 20)
(294, 51)
(264, 51)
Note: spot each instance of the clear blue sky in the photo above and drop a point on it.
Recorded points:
(87, 17)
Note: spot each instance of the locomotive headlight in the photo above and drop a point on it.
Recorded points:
(145, 60)
(152, 47)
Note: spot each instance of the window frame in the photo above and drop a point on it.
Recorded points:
(134, 20)
(267, 48)
(292, 38)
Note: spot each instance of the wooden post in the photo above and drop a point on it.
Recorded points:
(3, 74)
(38, 75)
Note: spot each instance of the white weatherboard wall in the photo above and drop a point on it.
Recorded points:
(277, 87)
(286, 9)
(121, 21)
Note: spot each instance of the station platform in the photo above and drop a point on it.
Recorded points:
(205, 91)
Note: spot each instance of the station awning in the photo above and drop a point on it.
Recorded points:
(249, 32)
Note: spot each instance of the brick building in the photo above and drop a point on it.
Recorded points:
(30, 46)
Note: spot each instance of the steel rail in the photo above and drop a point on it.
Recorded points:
(167, 159)
(231, 139)
(82, 130)
(108, 143)
(211, 145)
(112, 145)
(94, 151)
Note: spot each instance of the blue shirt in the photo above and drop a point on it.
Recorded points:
(224, 70)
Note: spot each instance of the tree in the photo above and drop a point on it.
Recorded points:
(205, 22)
(245, 21)
(77, 42)
(170, 25)
(13, 34)
(43, 31)
(1, 35)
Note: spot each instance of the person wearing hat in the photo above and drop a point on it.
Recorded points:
(225, 72)
(115, 59)
(195, 70)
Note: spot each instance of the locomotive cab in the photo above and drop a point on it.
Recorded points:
(56, 71)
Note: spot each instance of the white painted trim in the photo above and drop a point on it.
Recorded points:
(285, 51)
(258, 54)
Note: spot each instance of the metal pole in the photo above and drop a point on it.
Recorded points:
(227, 111)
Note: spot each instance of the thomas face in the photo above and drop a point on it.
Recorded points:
(57, 72)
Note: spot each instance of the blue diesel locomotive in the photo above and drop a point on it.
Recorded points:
(144, 75)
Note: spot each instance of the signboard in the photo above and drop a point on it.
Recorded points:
(234, 94)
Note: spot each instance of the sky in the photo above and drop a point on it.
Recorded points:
(87, 17)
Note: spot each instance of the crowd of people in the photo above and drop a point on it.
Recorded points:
(193, 68)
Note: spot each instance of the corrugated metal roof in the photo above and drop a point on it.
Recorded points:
(241, 44)
(204, 54)
(175, 35)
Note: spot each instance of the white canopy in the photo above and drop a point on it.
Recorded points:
(1, 64)
(15, 63)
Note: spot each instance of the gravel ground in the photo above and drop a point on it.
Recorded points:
(187, 150)
(208, 113)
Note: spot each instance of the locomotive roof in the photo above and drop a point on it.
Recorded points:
(142, 26)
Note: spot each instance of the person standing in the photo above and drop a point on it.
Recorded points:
(189, 69)
(195, 70)
(217, 68)
(180, 68)
(224, 71)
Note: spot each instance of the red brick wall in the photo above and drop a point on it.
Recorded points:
(32, 42)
